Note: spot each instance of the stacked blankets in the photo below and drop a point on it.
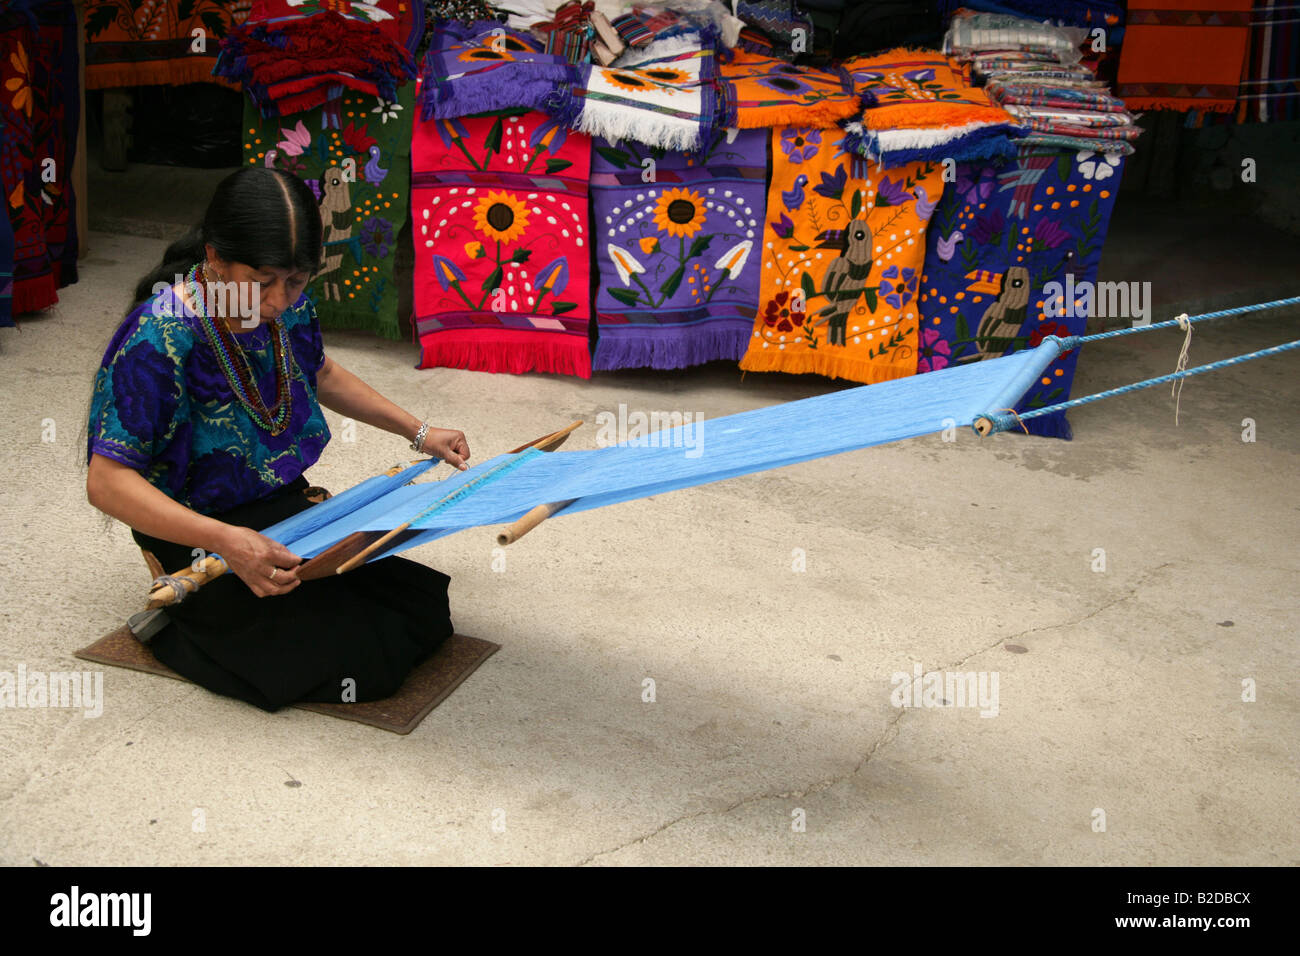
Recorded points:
(1033, 71)
(291, 58)
(921, 108)
(673, 94)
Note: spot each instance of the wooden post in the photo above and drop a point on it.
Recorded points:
(79, 190)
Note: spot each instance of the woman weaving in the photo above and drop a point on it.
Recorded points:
(200, 429)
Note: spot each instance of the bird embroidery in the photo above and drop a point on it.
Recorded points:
(374, 175)
(1022, 179)
(1004, 318)
(924, 207)
(793, 197)
(336, 222)
(845, 279)
(947, 247)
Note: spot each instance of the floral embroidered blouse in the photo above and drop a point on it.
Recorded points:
(162, 405)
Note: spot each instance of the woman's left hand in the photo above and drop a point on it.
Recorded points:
(447, 444)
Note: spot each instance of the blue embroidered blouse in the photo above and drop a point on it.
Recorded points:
(162, 405)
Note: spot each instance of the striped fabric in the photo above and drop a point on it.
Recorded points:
(1270, 89)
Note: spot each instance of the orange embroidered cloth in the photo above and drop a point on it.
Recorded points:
(1183, 55)
(843, 246)
(157, 42)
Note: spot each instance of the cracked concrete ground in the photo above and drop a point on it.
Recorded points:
(1120, 691)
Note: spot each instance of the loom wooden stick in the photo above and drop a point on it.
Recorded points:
(531, 520)
(546, 443)
(162, 594)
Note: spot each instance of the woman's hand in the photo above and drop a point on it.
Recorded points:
(255, 558)
(447, 444)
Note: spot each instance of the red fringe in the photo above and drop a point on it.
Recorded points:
(506, 350)
(32, 295)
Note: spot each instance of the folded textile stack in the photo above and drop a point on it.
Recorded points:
(673, 94)
(924, 109)
(289, 62)
(1034, 71)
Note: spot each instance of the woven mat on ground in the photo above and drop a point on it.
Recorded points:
(842, 252)
(355, 154)
(924, 110)
(153, 42)
(39, 111)
(502, 254)
(429, 685)
(678, 270)
(1183, 55)
(998, 237)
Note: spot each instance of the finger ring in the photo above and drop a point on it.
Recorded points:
(274, 573)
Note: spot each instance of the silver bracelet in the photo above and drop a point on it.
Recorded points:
(418, 445)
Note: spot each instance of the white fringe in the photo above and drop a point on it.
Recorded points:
(660, 49)
(641, 126)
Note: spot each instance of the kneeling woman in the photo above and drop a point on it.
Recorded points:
(200, 431)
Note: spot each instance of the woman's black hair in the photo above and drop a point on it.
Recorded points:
(258, 216)
(261, 217)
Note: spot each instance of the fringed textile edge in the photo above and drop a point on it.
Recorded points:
(866, 371)
(109, 76)
(669, 347)
(506, 350)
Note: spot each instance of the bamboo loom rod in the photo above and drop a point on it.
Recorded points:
(545, 443)
(163, 593)
(531, 520)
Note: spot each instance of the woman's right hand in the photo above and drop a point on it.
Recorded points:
(255, 557)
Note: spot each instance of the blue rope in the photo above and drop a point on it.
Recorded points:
(1074, 341)
(1003, 422)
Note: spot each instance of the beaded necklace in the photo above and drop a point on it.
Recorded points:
(239, 373)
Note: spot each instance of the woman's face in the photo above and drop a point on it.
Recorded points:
(272, 290)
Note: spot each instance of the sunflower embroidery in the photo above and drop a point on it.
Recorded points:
(679, 212)
(625, 80)
(484, 54)
(661, 74)
(501, 216)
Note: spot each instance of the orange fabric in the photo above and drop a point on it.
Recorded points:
(767, 92)
(1183, 54)
(903, 101)
(149, 44)
(813, 314)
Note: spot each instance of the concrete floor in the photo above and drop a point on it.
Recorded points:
(1120, 691)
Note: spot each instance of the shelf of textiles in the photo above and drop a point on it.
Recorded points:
(40, 105)
(880, 219)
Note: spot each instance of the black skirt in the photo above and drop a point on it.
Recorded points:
(348, 637)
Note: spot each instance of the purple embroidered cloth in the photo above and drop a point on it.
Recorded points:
(678, 279)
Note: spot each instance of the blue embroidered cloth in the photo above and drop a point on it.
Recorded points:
(163, 406)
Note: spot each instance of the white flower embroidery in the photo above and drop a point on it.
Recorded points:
(625, 263)
(387, 111)
(1100, 168)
